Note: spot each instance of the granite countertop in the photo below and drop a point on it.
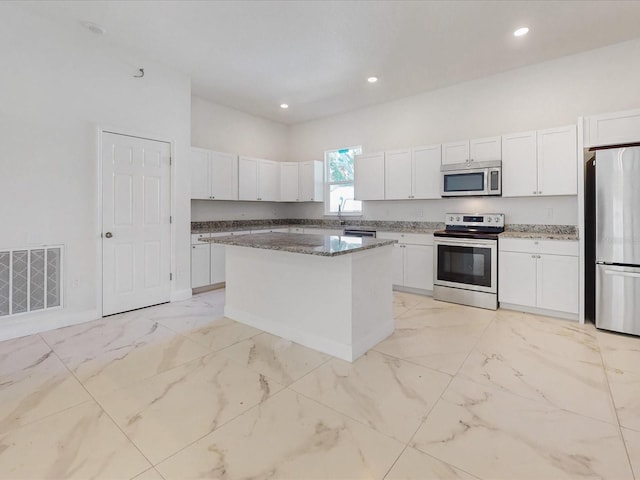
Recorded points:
(548, 232)
(310, 244)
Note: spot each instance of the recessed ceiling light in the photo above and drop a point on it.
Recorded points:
(95, 28)
(284, 106)
(372, 79)
(520, 32)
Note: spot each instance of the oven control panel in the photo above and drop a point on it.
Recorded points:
(474, 219)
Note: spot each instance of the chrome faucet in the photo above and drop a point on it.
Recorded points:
(340, 207)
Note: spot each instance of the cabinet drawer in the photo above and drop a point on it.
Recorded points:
(531, 245)
(408, 238)
(195, 237)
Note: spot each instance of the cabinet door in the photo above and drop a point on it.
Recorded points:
(247, 178)
(200, 265)
(557, 283)
(369, 177)
(519, 165)
(199, 160)
(397, 260)
(311, 181)
(217, 253)
(397, 175)
(558, 161)
(455, 152)
(613, 128)
(224, 176)
(268, 181)
(517, 278)
(418, 266)
(426, 178)
(485, 149)
(289, 182)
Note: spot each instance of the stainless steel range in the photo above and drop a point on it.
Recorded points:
(465, 266)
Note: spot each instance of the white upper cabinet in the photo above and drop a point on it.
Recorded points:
(540, 163)
(411, 174)
(558, 161)
(248, 178)
(199, 160)
(268, 180)
(369, 177)
(475, 150)
(519, 164)
(214, 175)
(398, 175)
(289, 187)
(612, 128)
(426, 163)
(311, 181)
(224, 176)
(485, 149)
(455, 152)
(258, 179)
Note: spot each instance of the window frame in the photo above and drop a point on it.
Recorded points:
(327, 184)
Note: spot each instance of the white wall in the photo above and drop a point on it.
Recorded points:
(546, 95)
(57, 85)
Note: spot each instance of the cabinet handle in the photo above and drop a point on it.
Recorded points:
(535, 193)
(539, 192)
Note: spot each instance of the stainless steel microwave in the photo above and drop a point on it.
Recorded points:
(471, 179)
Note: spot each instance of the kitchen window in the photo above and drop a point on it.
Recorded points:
(339, 165)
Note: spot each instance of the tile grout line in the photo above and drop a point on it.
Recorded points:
(615, 409)
(103, 410)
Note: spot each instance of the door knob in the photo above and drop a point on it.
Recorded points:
(108, 234)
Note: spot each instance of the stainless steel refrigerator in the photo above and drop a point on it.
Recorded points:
(617, 232)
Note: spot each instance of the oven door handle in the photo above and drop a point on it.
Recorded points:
(466, 243)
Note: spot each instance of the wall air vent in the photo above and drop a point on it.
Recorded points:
(30, 279)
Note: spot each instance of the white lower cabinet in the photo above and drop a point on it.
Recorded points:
(540, 274)
(208, 259)
(412, 259)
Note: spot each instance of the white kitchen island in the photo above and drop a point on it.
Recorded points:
(329, 293)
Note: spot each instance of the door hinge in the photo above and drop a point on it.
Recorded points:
(170, 160)
(171, 276)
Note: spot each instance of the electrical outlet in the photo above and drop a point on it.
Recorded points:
(549, 213)
(75, 283)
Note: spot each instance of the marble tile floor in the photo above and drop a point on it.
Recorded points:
(179, 392)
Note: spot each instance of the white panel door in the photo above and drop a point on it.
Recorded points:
(135, 222)
(200, 176)
(397, 260)
(426, 171)
(519, 165)
(397, 175)
(247, 178)
(268, 180)
(311, 181)
(224, 176)
(558, 161)
(289, 182)
(218, 270)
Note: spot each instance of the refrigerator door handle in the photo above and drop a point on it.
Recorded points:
(621, 274)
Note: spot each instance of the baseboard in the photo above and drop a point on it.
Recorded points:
(417, 291)
(331, 347)
(38, 322)
(540, 311)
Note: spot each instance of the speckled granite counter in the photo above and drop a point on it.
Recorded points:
(310, 244)
(542, 232)
(514, 230)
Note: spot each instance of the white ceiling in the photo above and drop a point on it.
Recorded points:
(316, 55)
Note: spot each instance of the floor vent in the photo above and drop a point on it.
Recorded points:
(30, 279)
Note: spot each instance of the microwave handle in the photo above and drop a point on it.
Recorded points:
(487, 175)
